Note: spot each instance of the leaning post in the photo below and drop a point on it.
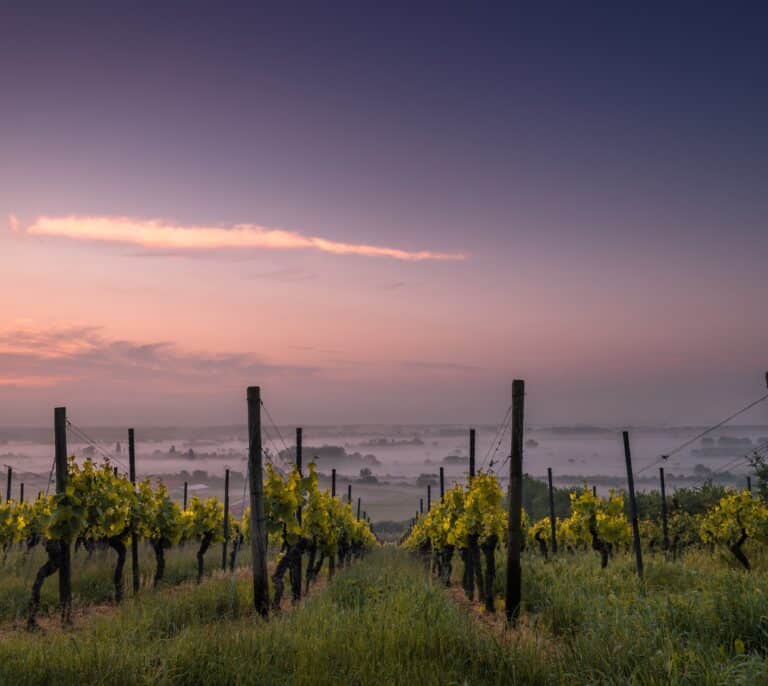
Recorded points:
(633, 506)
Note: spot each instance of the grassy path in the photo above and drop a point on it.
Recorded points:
(380, 622)
(384, 621)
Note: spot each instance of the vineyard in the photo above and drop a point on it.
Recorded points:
(476, 590)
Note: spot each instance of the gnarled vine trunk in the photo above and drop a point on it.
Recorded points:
(118, 545)
(204, 545)
(159, 549)
(738, 553)
(51, 566)
(489, 550)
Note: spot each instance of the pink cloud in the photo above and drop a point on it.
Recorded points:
(155, 234)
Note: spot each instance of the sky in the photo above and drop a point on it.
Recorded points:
(382, 213)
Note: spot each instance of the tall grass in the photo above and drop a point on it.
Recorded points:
(92, 575)
(385, 621)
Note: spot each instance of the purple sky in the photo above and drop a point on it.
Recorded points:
(600, 173)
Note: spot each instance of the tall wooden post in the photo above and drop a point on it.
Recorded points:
(515, 536)
(594, 491)
(471, 454)
(552, 518)
(749, 483)
(258, 526)
(332, 556)
(421, 506)
(226, 520)
(429, 497)
(633, 506)
(358, 509)
(349, 493)
(298, 569)
(442, 484)
(21, 492)
(65, 578)
(185, 494)
(9, 480)
(664, 525)
(135, 573)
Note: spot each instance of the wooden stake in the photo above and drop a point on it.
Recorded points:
(664, 525)
(226, 521)
(552, 519)
(8, 481)
(421, 506)
(296, 581)
(429, 497)
(749, 483)
(258, 527)
(185, 495)
(135, 573)
(333, 483)
(65, 570)
(471, 454)
(349, 493)
(514, 574)
(332, 556)
(633, 506)
(358, 509)
(21, 492)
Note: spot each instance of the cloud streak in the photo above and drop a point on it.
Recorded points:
(34, 357)
(153, 234)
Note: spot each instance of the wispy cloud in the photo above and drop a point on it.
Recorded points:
(157, 235)
(33, 357)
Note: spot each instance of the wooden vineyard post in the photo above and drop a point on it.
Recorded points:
(633, 506)
(552, 519)
(349, 494)
(442, 484)
(185, 495)
(421, 506)
(256, 486)
(21, 492)
(749, 483)
(8, 482)
(332, 556)
(471, 454)
(226, 520)
(65, 579)
(664, 525)
(594, 491)
(135, 574)
(429, 497)
(297, 570)
(514, 585)
(358, 509)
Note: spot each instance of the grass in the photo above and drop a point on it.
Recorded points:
(92, 576)
(384, 621)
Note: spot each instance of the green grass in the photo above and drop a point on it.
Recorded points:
(92, 576)
(384, 621)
